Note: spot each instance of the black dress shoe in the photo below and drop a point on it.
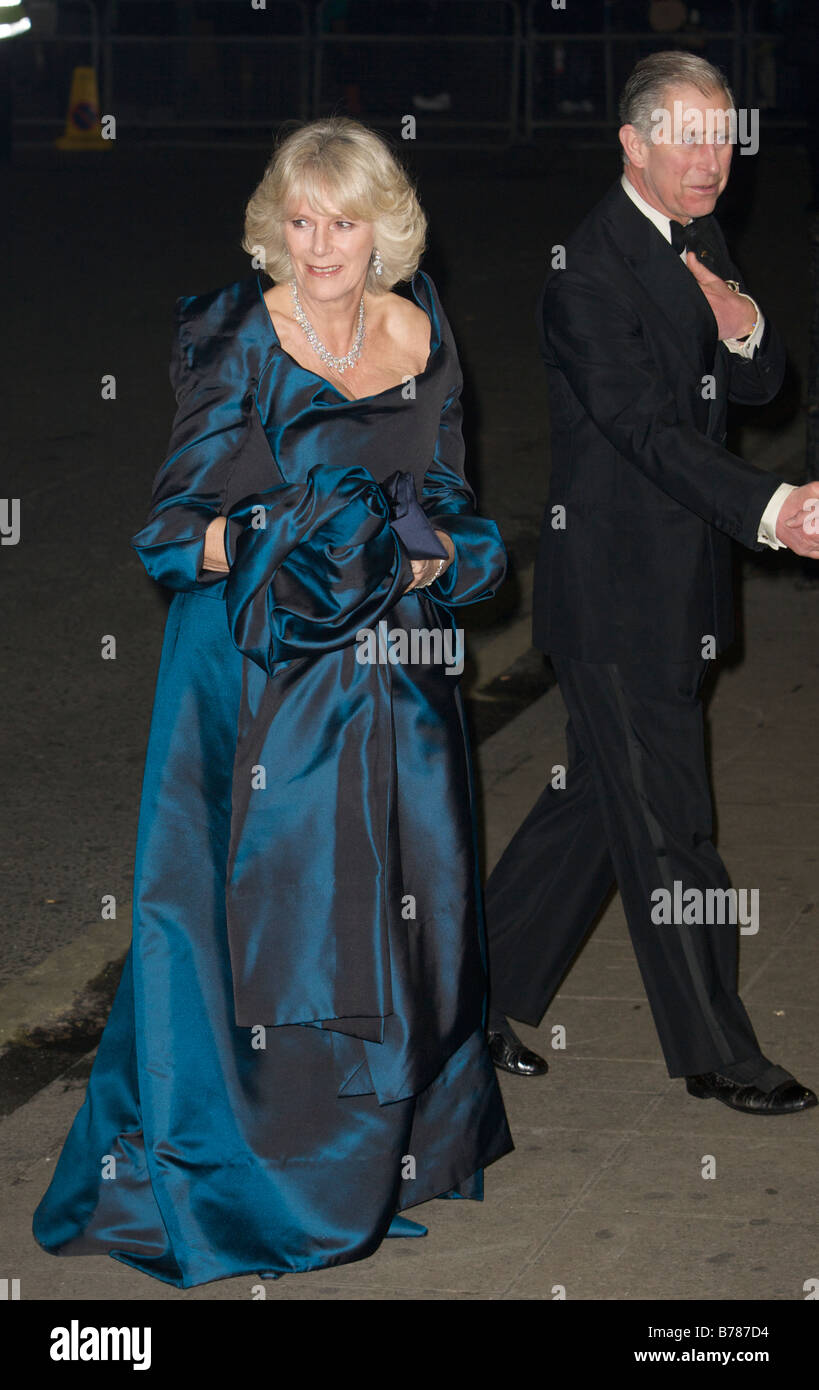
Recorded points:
(510, 1054)
(785, 1099)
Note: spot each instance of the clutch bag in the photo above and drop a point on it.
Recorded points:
(408, 519)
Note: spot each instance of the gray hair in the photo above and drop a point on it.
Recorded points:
(651, 78)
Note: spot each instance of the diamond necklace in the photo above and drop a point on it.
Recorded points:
(337, 363)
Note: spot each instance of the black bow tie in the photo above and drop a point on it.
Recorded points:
(699, 236)
(685, 237)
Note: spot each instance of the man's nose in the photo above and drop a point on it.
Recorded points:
(709, 159)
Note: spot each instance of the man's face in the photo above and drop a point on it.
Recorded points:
(682, 177)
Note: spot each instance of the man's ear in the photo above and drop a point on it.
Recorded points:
(633, 145)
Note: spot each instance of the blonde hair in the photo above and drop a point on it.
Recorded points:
(345, 163)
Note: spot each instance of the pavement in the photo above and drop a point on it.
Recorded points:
(607, 1194)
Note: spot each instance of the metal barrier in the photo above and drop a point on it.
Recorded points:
(588, 70)
(63, 36)
(760, 48)
(234, 67)
(572, 79)
(220, 66)
(414, 65)
(471, 72)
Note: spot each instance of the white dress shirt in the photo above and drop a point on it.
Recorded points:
(767, 525)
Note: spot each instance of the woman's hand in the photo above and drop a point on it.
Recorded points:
(215, 557)
(424, 571)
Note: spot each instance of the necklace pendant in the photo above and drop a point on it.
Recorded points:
(338, 364)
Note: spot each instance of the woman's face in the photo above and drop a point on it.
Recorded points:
(330, 251)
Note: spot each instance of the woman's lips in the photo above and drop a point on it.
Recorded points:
(324, 270)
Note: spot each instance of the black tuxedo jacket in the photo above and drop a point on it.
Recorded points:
(639, 562)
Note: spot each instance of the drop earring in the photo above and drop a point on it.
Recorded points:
(378, 264)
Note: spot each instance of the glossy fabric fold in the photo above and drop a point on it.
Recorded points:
(314, 563)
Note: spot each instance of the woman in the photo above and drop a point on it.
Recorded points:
(296, 1052)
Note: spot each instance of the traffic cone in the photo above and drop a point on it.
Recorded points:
(82, 123)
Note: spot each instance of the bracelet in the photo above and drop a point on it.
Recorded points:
(441, 565)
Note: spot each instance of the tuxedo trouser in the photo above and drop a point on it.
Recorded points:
(636, 808)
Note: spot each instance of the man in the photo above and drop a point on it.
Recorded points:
(644, 343)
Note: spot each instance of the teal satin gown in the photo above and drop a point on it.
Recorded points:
(295, 1053)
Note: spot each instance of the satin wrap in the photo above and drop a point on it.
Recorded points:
(301, 1010)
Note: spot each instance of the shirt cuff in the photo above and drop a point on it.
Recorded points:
(767, 526)
(748, 346)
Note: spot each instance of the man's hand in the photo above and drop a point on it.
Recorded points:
(797, 525)
(733, 312)
(424, 570)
